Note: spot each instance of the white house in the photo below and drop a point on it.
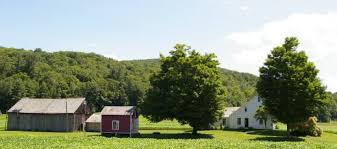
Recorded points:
(243, 117)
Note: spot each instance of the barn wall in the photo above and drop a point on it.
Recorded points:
(79, 121)
(124, 123)
(44, 122)
(94, 127)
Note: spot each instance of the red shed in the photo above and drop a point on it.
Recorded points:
(119, 120)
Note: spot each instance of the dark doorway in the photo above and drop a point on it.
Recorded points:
(246, 123)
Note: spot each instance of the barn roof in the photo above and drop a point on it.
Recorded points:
(118, 110)
(51, 106)
(94, 118)
(229, 110)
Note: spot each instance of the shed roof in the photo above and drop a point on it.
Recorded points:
(51, 106)
(118, 110)
(229, 110)
(94, 118)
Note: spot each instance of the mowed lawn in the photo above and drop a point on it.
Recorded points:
(172, 135)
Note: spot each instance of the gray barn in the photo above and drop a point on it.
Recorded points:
(48, 114)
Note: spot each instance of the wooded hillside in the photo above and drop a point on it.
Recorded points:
(103, 81)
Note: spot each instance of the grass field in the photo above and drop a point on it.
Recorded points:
(172, 135)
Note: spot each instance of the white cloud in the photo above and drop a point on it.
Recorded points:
(244, 8)
(317, 34)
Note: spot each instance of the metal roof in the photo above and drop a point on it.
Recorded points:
(118, 110)
(51, 106)
(94, 118)
(229, 110)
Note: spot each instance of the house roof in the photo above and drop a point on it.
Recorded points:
(118, 110)
(229, 110)
(94, 118)
(48, 106)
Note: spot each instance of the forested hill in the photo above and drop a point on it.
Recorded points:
(239, 86)
(103, 81)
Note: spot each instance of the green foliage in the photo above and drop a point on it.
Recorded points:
(187, 88)
(309, 127)
(289, 84)
(103, 81)
(240, 87)
(328, 111)
(262, 114)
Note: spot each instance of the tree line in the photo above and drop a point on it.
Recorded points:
(101, 80)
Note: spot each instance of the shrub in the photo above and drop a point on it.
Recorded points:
(277, 126)
(309, 127)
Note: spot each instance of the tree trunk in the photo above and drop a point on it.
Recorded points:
(288, 130)
(194, 131)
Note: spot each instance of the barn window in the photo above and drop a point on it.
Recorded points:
(245, 109)
(261, 122)
(239, 121)
(115, 125)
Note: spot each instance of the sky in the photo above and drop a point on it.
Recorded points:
(240, 32)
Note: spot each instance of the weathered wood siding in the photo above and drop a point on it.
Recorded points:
(45, 122)
(93, 127)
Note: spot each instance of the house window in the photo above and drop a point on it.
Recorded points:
(224, 122)
(261, 122)
(245, 109)
(239, 121)
(115, 125)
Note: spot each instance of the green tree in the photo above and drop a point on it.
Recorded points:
(187, 88)
(289, 85)
(103, 81)
(329, 110)
(262, 115)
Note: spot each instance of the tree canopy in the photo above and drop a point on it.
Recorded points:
(289, 85)
(103, 81)
(188, 88)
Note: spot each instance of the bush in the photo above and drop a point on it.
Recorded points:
(309, 127)
(277, 126)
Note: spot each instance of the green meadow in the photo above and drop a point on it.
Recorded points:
(171, 135)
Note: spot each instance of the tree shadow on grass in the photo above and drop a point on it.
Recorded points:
(329, 131)
(262, 132)
(279, 139)
(270, 135)
(268, 132)
(175, 136)
(166, 136)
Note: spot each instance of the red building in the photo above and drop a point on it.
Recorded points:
(119, 120)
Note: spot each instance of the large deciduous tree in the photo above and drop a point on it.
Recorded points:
(289, 84)
(187, 88)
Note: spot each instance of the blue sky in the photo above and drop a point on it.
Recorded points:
(240, 32)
